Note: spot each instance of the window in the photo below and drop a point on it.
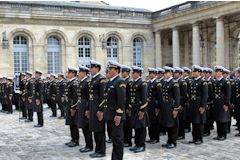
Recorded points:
(137, 52)
(84, 51)
(20, 54)
(54, 55)
(112, 49)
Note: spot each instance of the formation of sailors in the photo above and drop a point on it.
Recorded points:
(167, 101)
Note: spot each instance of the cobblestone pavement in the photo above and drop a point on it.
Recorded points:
(21, 141)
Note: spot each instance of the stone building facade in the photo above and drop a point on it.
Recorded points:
(53, 35)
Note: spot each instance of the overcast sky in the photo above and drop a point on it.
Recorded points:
(152, 5)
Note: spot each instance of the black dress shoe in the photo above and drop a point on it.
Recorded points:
(206, 134)
(23, 118)
(109, 141)
(38, 125)
(191, 142)
(85, 149)
(139, 149)
(237, 135)
(219, 138)
(198, 142)
(165, 145)
(28, 120)
(73, 144)
(180, 138)
(68, 143)
(133, 148)
(154, 142)
(171, 145)
(127, 145)
(97, 155)
(149, 141)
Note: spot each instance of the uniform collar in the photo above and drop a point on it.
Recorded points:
(72, 79)
(125, 78)
(83, 78)
(152, 80)
(197, 78)
(169, 79)
(137, 79)
(111, 79)
(186, 77)
(219, 78)
(96, 75)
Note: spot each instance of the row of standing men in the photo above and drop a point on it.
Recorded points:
(167, 101)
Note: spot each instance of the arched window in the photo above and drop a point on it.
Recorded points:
(20, 54)
(84, 51)
(112, 49)
(54, 55)
(137, 52)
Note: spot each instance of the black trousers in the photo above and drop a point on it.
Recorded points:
(238, 123)
(40, 118)
(127, 132)
(140, 136)
(109, 129)
(88, 137)
(10, 106)
(53, 107)
(117, 140)
(222, 129)
(207, 125)
(197, 132)
(61, 106)
(100, 139)
(74, 133)
(30, 114)
(153, 131)
(23, 109)
(181, 129)
(172, 135)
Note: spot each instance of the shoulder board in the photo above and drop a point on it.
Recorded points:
(205, 83)
(176, 85)
(103, 80)
(144, 83)
(122, 85)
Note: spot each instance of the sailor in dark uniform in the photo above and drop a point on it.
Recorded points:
(236, 99)
(9, 95)
(226, 75)
(209, 106)
(154, 87)
(170, 107)
(221, 102)
(183, 100)
(125, 73)
(52, 93)
(38, 97)
(71, 106)
(96, 100)
(83, 108)
(187, 78)
(61, 85)
(138, 109)
(22, 95)
(198, 100)
(114, 108)
(29, 95)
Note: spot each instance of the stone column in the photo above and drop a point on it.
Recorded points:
(220, 42)
(186, 50)
(176, 47)
(158, 49)
(196, 45)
